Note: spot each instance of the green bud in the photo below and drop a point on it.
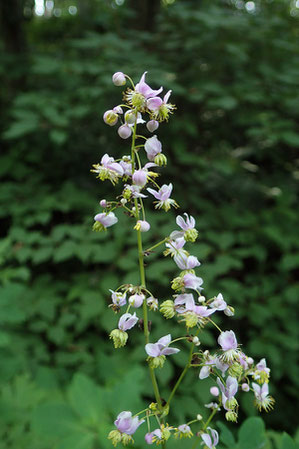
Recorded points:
(167, 309)
(119, 338)
(166, 434)
(235, 370)
(115, 437)
(160, 159)
(156, 362)
(190, 235)
(231, 416)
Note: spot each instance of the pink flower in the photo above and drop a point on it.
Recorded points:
(185, 262)
(193, 282)
(227, 340)
(163, 195)
(145, 89)
(118, 298)
(188, 223)
(152, 147)
(127, 321)
(110, 117)
(218, 303)
(159, 108)
(119, 79)
(149, 438)
(125, 423)
(136, 300)
(143, 225)
(161, 347)
(106, 220)
(214, 391)
(210, 439)
(228, 391)
(262, 398)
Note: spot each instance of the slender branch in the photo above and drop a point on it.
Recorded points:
(157, 244)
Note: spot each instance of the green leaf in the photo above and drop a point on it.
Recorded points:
(86, 399)
(287, 442)
(78, 440)
(252, 434)
(54, 420)
(226, 436)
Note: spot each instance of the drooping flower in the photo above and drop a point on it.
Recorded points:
(261, 373)
(160, 109)
(132, 192)
(161, 435)
(120, 336)
(136, 300)
(228, 392)
(126, 425)
(142, 225)
(140, 177)
(110, 117)
(192, 281)
(108, 169)
(158, 351)
(218, 303)
(163, 195)
(188, 226)
(228, 342)
(175, 248)
(186, 262)
(183, 431)
(152, 303)
(262, 398)
(118, 298)
(210, 439)
(104, 221)
(152, 146)
(192, 313)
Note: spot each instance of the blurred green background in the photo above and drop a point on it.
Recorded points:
(232, 147)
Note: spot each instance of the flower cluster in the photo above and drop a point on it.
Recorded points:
(228, 366)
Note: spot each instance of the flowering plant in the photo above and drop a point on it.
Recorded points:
(229, 367)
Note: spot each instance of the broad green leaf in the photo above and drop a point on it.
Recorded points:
(252, 434)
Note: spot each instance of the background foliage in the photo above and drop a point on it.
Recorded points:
(232, 148)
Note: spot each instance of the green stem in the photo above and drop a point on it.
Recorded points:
(157, 244)
(142, 277)
(210, 418)
(181, 376)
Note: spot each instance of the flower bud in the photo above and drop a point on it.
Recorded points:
(119, 79)
(152, 125)
(249, 360)
(201, 299)
(153, 407)
(229, 311)
(136, 300)
(119, 338)
(167, 309)
(198, 417)
(110, 117)
(142, 226)
(130, 117)
(231, 416)
(139, 178)
(160, 159)
(190, 235)
(148, 438)
(214, 391)
(156, 362)
(123, 201)
(103, 203)
(127, 194)
(245, 387)
(117, 110)
(115, 437)
(124, 131)
(195, 341)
